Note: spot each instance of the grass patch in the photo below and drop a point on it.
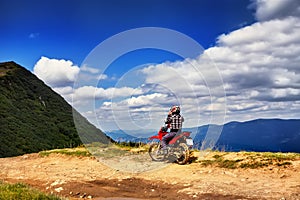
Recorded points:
(119, 149)
(79, 152)
(22, 191)
(207, 163)
(229, 164)
(101, 150)
(265, 159)
(219, 161)
(280, 156)
(254, 165)
(252, 160)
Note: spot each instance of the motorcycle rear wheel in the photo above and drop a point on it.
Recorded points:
(155, 152)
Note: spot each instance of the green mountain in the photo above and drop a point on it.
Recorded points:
(33, 117)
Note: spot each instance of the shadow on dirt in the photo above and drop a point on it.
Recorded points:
(135, 188)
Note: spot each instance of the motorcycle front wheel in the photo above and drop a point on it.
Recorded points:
(182, 154)
(155, 152)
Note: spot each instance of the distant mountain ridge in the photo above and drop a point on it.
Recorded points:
(120, 136)
(128, 136)
(34, 118)
(274, 135)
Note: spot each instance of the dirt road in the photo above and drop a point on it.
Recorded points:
(85, 177)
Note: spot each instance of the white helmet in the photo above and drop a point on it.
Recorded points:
(175, 109)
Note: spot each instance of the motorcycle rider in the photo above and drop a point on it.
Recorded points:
(174, 120)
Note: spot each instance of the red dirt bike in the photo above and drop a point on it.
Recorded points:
(178, 148)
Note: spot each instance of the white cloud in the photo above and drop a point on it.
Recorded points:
(102, 77)
(262, 34)
(132, 113)
(188, 78)
(56, 73)
(260, 68)
(283, 93)
(89, 69)
(65, 92)
(273, 9)
(146, 100)
(274, 65)
(88, 94)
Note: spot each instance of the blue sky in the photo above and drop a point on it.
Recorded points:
(71, 29)
(248, 67)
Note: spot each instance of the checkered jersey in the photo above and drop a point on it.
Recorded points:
(175, 121)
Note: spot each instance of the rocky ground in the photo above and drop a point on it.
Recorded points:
(85, 177)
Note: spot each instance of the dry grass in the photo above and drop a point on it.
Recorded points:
(253, 160)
